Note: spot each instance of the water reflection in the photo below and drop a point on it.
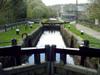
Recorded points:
(51, 38)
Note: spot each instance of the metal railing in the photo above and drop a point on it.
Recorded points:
(7, 27)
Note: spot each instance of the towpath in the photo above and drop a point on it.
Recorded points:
(88, 31)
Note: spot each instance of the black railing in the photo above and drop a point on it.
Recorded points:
(7, 27)
(50, 52)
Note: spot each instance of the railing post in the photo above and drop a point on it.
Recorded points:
(37, 58)
(14, 42)
(53, 54)
(17, 50)
(17, 56)
(50, 57)
(0, 67)
(86, 45)
(98, 72)
(63, 58)
(47, 54)
(82, 62)
(1, 72)
(47, 58)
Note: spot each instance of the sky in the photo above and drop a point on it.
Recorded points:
(53, 2)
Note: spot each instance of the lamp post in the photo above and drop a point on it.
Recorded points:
(61, 11)
(76, 11)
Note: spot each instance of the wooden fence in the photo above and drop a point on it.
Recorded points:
(50, 54)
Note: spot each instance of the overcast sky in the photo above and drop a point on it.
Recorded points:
(53, 2)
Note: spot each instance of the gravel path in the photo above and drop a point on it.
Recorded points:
(88, 31)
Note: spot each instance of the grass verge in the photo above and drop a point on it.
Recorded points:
(93, 42)
(6, 37)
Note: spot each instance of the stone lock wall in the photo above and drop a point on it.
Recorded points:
(32, 39)
(70, 39)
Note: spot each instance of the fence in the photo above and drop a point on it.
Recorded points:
(50, 54)
(6, 27)
(16, 24)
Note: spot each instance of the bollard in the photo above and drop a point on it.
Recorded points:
(82, 32)
(86, 43)
(31, 26)
(69, 26)
(14, 42)
(17, 31)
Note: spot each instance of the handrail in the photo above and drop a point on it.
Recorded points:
(73, 51)
(82, 51)
(32, 50)
(50, 52)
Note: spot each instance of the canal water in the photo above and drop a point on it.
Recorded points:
(51, 38)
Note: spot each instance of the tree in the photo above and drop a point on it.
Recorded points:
(94, 9)
(19, 9)
(12, 10)
(37, 9)
(15, 10)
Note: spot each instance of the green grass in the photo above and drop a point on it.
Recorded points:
(93, 42)
(11, 34)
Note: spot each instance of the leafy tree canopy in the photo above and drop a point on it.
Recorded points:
(94, 9)
(14, 10)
